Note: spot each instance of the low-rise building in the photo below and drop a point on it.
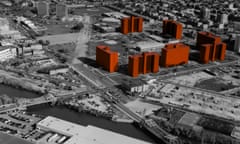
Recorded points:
(135, 86)
(54, 69)
(7, 53)
(77, 134)
(146, 46)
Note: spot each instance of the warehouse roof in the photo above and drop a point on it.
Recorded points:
(87, 135)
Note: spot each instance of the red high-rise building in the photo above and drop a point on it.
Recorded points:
(221, 51)
(174, 54)
(205, 53)
(107, 58)
(172, 28)
(217, 48)
(125, 25)
(131, 24)
(147, 62)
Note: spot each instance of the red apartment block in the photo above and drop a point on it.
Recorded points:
(172, 28)
(174, 54)
(205, 53)
(131, 24)
(217, 48)
(143, 63)
(107, 58)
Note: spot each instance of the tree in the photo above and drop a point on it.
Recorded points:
(77, 27)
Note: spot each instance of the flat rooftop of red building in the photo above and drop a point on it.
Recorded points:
(209, 34)
(175, 45)
(106, 49)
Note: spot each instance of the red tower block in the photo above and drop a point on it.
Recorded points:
(131, 24)
(205, 53)
(172, 28)
(217, 49)
(174, 54)
(125, 25)
(106, 58)
(148, 62)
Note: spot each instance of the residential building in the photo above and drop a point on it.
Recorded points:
(107, 58)
(174, 54)
(172, 28)
(148, 62)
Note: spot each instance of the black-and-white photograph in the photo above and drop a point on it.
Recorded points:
(119, 71)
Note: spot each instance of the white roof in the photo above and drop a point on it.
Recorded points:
(86, 135)
(143, 45)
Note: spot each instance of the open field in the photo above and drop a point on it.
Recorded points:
(89, 11)
(199, 101)
(61, 38)
(191, 79)
(215, 84)
(55, 29)
(141, 108)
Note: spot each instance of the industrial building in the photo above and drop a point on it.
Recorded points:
(77, 134)
(134, 86)
(174, 54)
(131, 24)
(7, 52)
(107, 58)
(104, 27)
(146, 46)
(211, 47)
(54, 69)
(43, 8)
(148, 62)
(7, 31)
(172, 28)
(237, 44)
(61, 10)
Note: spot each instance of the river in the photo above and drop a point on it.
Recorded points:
(76, 117)
(14, 92)
(88, 119)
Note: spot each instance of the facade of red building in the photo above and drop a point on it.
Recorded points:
(205, 53)
(172, 28)
(217, 48)
(107, 58)
(174, 54)
(147, 62)
(131, 24)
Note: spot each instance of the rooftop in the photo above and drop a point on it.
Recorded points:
(87, 135)
(134, 83)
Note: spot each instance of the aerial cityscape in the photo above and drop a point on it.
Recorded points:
(119, 72)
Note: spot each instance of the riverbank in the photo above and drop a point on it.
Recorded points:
(20, 83)
(85, 119)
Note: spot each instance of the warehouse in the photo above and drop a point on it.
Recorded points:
(86, 135)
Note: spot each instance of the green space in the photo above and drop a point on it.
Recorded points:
(216, 125)
(215, 84)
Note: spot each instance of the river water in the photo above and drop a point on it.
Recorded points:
(14, 92)
(76, 117)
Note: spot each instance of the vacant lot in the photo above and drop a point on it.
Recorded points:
(61, 38)
(89, 11)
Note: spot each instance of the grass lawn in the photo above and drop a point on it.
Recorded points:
(214, 84)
